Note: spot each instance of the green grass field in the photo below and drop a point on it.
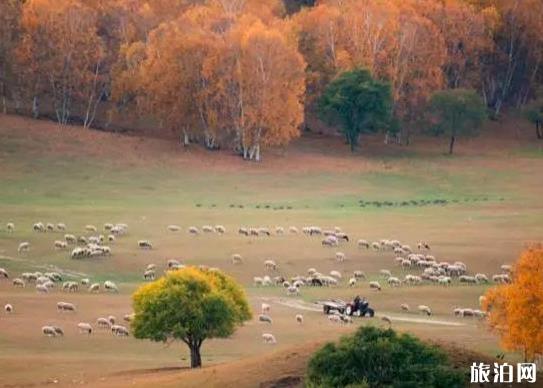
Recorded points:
(480, 207)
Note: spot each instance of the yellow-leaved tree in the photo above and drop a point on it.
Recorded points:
(516, 309)
(190, 305)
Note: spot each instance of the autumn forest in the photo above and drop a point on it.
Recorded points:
(246, 74)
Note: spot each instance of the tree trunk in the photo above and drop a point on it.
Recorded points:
(451, 144)
(35, 107)
(538, 130)
(195, 357)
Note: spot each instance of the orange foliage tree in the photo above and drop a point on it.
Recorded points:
(61, 55)
(516, 309)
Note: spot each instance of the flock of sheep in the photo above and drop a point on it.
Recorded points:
(403, 257)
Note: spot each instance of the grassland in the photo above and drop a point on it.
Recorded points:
(480, 206)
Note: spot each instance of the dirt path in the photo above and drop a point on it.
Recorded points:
(299, 304)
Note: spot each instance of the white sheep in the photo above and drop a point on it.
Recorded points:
(300, 319)
(269, 338)
(145, 244)
(375, 246)
(8, 308)
(194, 230)
(279, 230)
(42, 289)
(149, 274)
(265, 308)
(425, 309)
(482, 300)
(264, 318)
(38, 227)
(506, 268)
(340, 256)
(404, 307)
(23, 247)
(352, 282)
(237, 259)
(84, 328)
(94, 287)
(270, 265)
(90, 228)
(220, 229)
(374, 285)
(50, 227)
(293, 230)
(17, 282)
(293, 290)
(10, 226)
(110, 286)
(359, 274)
(394, 281)
(363, 244)
(60, 244)
(49, 331)
(70, 238)
(207, 229)
(174, 228)
(103, 323)
(4, 274)
(385, 273)
(335, 274)
(119, 331)
(65, 306)
(330, 241)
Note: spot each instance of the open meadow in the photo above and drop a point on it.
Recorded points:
(480, 206)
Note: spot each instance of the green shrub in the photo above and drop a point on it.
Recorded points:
(374, 357)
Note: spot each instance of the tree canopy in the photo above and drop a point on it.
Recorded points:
(457, 112)
(190, 305)
(516, 309)
(381, 358)
(358, 103)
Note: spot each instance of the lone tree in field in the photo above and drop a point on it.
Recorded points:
(457, 112)
(516, 310)
(358, 103)
(190, 305)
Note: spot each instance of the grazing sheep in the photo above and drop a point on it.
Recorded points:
(330, 241)
(8, 308)
(359, 274)
(352, 282)
(58, 331)
(293, 290)
(119, 331)
(65, 306)
(270, 265)
(481, 278)
(149, 274)
(94, 287)
(423, 245)
(340, 256)
(4, 274)
(386, 319)
(243, 231)
(61, 226)
(237, 259)
(363, 244)
(425, 309)
(385, 273)
(220, 229)
(300, 319)
(394, 281)
(84, 328)
(85, 281)
(23, 247)
(110, 286)
(174, 228)
(49, 331)
(467, 279)
(70, 238)
(265, 308)
(194, 230)
(10, 226)
(506, 268)
(264, 318)
(112, 319)
(374, 285)
(60, 244)
(501, 278)
(269, 338)
(293, 230)
(110, 238)
(42, 289)
(207, 229)
(482, 300)
(38, 227)
(335, 274)
(375, 246)
(404, 307)
(145, 244)
(103, 323)
(17, 282)
(129, 317)
(108, 226)
(90, 228)
(279, 230)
